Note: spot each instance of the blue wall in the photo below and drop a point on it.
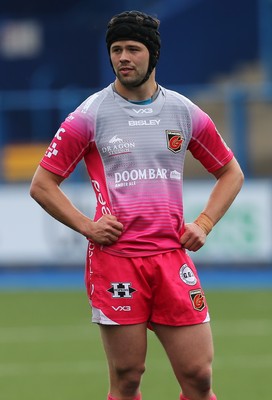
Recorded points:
(201, 40)
(208, 39)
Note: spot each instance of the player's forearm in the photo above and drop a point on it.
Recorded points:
(228, 185)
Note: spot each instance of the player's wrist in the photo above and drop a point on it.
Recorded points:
(204, 222)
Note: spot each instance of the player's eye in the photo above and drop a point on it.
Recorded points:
(116, 50)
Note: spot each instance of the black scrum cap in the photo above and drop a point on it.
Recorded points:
(138, 26)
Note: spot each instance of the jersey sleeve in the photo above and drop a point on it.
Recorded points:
(69, 145)
(206, 144)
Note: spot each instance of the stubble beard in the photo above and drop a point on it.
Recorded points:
(131, 82)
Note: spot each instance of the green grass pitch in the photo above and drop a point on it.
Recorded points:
(50, 350)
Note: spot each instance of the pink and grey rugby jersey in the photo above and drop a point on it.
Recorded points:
(134, 155)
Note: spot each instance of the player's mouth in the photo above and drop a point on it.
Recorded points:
(125, 70)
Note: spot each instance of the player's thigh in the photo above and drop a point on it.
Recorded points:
(186, 346)
(125, 345)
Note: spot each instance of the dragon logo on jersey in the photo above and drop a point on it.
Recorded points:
(174, 140)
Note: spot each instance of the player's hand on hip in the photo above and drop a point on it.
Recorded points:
(193, 237)
(106, 230)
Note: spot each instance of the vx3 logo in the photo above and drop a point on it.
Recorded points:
(121, 308)
(143, 110)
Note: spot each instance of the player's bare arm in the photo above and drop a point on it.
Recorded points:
(45, 189)
(230, 179)
(229, 182)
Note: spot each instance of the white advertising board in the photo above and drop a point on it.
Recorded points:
(244, 234)
(30, 237)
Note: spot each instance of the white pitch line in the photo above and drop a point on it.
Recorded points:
(35, 334)
(249, 327)
(248, 361)
(65, 333)
(99, 366)
(52, 368)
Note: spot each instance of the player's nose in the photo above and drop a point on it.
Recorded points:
(124, 56)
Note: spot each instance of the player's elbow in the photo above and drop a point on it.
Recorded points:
(232, 174)
(238, 177)
(43, 184)
(35, 190)
(38, 187)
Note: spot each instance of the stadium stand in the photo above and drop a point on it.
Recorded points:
(19, 161)
(220, 70)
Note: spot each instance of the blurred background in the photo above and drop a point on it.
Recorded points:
(53, 56)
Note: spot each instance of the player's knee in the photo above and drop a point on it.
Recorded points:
(203, 380)
(129, 378)
(200, 377)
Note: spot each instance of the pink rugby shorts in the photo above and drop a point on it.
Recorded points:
(163, 289)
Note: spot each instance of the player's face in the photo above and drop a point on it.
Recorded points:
(130, 60)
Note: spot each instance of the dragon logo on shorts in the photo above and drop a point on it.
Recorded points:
(197, 299)
(121, 290)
